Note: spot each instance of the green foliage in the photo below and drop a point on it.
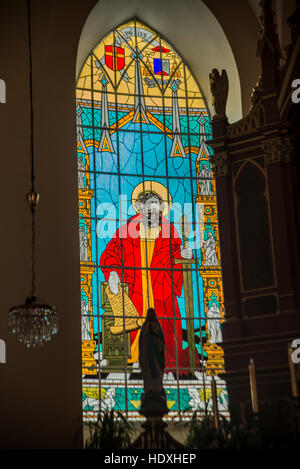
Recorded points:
(111, 431)
(202, 434)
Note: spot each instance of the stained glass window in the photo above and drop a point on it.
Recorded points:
(147, 225)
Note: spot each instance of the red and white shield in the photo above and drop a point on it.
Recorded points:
(114, 57)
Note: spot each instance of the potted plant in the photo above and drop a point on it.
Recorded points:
(202, 434)
(111, 431)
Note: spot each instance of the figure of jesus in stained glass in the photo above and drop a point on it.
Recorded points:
(152, 244)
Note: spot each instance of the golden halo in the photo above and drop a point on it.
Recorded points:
(156, 188)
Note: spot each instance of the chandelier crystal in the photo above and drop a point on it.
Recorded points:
(33, 323)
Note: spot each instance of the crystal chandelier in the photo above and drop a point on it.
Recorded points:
(34, 322)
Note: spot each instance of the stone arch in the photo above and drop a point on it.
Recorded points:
(197, 39)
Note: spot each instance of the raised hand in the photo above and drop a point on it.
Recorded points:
(186, 253)
(113, 282)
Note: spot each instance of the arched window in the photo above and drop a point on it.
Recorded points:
(148, 224)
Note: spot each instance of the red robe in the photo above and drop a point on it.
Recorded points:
(126, 252)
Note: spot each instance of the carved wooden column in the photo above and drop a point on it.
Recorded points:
(279, 160)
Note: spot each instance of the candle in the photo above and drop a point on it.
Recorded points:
(253, 386)
(294, 383)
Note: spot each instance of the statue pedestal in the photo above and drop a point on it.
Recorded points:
(154, 407)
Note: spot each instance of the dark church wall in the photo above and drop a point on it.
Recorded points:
(40, 390)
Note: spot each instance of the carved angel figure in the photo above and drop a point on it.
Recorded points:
(219, 91)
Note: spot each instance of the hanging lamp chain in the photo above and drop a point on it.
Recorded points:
(32, 197)
(34, 322)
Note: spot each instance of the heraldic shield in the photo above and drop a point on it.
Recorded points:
(114, 57)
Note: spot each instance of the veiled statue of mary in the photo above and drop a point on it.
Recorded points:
(152, 354)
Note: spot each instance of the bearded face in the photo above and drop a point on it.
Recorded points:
(151, 209)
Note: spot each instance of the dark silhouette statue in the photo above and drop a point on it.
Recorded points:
(153, 400)
(219, 91)
(152, 362)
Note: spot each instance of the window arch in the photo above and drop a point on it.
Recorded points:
(147, 223)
